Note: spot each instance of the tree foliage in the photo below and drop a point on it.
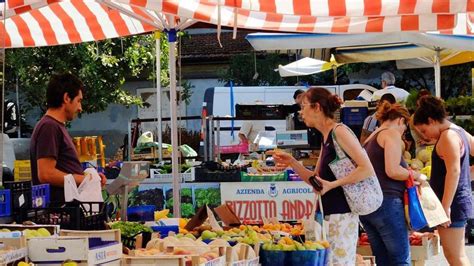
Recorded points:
(103, 67)
(455, 80)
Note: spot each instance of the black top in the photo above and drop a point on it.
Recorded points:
(376, 155)
(461, 208)
(334, 201)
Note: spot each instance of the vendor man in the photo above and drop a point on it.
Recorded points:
(52, 152)
(388, 86)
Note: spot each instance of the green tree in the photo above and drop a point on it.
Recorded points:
(103, 67)
(242, 70)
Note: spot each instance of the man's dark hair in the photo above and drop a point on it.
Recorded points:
(388, 97)
(297, 92)
(60, 84)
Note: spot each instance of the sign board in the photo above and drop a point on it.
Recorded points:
(253, 201)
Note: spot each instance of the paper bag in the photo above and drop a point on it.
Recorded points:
(431, 206)
(90, 190)
(213, 221)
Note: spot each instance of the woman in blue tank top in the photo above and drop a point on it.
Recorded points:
(450, 173)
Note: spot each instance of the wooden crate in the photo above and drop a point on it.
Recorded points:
(20, 251)
(419, 254)
(163, 260)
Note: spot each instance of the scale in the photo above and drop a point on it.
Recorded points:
(292, 139)
(131, 174)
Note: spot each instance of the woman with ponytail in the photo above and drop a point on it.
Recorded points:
(386, 227)
(317, 110)
(450, 174)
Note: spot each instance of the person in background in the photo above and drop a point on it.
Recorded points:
(249, 132)
(386, 227)
(388, 85)
(420, 142)
(317, 110)
(450, 173)
(371, 123)
(52, 151)
(298, 124)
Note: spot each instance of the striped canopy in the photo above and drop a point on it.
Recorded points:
(52, 22)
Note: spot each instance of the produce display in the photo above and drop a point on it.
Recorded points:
(415, 238)
(130, 229)
(422, 161)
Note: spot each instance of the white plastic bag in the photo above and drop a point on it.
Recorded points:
(90, 190)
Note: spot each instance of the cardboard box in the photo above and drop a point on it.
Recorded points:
(227, 215)
(430, 247)
(108, 235)
(56, 250)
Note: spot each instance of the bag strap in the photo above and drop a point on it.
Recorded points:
(320, 202)
(340, 154)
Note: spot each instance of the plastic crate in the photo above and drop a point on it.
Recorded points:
(5, 203)
(141, 213)
(187, 176)
(205, 175)
(40, 196)
(20, 199)
(245, 177)
(71, 215)
(22, 170)
(230, 149)
(354, 116)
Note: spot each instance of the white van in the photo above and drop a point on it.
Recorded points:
(217, 102)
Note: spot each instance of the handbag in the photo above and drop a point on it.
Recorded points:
(363, 197)
(413, 211)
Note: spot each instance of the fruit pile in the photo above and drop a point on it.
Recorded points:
(422, 161)
(31, 233)
(288, 244)
(415, 238)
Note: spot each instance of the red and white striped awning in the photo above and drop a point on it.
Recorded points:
(52, 22)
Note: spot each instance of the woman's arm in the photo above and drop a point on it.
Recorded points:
(351, 146)
(449, 149)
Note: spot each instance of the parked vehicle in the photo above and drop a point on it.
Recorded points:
(217, 102)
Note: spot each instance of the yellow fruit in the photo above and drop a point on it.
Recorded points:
(43, 232)
(22, 263)
(182, 222)
(424, 155)
(69, 263)
(161, 214)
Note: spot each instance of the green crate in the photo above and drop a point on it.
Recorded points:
(245, 177)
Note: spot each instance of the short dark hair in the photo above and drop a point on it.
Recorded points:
(388, 97)
(58, 85)
(297, 93)
(429, 107)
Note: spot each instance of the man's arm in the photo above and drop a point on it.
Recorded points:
(47, 173)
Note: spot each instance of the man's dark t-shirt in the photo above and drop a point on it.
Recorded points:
(50, 139)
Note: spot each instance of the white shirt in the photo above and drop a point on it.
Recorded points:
(400, 95)
(250, 129)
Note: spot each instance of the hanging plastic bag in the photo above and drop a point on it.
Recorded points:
(413, 211)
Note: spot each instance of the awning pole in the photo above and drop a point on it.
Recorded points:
(437, 73)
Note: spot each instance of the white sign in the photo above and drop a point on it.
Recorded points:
(253, 201)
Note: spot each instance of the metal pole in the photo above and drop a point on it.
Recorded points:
(18, 106)
(211, 138)
(218, 139)
(159, 129)
(174, 117)
(206, 136)
(130, 147)
(437, 73)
